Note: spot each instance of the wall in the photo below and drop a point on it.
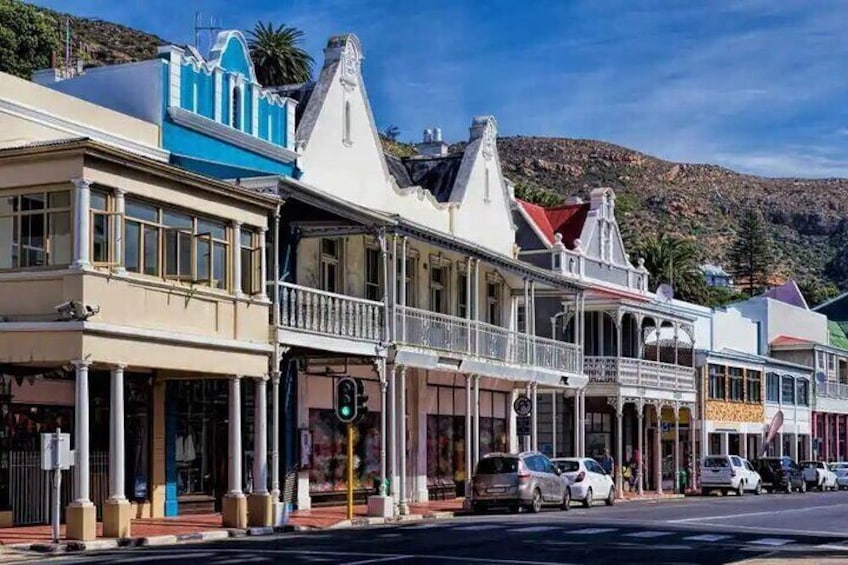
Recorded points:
(781, 319)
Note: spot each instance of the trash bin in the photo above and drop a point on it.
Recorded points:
(377, 485)
(683, 480)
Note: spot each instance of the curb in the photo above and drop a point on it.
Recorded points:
(147, 541)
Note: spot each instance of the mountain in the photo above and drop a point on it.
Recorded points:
(806, 217)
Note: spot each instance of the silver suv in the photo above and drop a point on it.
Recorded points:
(527, 480)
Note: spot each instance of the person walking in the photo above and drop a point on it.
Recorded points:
(608, 463)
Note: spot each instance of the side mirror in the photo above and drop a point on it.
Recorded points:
(557, 471)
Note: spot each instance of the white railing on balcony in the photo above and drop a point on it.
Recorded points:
(639, 372)
(451, 334)
(832, 390)
(326, 313)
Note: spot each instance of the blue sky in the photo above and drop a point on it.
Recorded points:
(759, 86)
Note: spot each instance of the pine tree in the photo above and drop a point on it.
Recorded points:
(751, 255)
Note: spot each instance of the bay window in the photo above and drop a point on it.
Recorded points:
(35, 229)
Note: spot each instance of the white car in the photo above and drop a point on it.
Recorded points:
(729, 473)
(817, 474)
(587, 480)
(841, 471)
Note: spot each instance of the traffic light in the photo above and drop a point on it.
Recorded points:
(346, 397)
(361, 400)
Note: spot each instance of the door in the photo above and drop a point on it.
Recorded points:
(597, 478)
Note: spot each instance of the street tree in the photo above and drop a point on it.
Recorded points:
(751, 255)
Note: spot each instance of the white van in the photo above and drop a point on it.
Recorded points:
(729, 473)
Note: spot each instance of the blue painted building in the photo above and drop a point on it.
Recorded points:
(214, 117)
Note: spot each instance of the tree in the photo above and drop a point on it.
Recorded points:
(751, 257)
(837, 268)
(675, 261)
(28, 39)
(277, 56)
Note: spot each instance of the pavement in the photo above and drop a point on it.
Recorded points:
(769, 529)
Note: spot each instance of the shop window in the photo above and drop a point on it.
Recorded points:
(35, 230)
(331, 265)
(736, 384)
(717, 383)
(328, 470)
(373, 274)
(753, 393)
(788, 389)
(803, 392)
(773, 387)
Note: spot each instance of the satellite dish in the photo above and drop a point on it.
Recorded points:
(821, 377)
(665, 293)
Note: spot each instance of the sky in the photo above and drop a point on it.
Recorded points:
(759, 86)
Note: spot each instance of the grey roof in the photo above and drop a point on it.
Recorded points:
(435, 174)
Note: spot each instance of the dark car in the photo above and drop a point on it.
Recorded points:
(781, 474)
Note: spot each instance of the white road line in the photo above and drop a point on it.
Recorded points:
(775, 542)
(426, 526)
(531, 529)
(378, 560)
(747, 514)
(591, 531)
(479, 528)
(707, 537)
(430, 557)
(648, 534)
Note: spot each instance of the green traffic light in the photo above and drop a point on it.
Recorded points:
(345, 411)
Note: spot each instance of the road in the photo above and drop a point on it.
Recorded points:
(696, 530)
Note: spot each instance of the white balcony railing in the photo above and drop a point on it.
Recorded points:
(639, 372)
(832, 390)
(326, 313)
(454, 335)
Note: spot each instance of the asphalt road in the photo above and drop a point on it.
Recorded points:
(777, 528)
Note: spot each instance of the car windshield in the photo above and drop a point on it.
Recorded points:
(773, 463)
(497, 465)
(567, 466)
(716, 462)
(809, 464)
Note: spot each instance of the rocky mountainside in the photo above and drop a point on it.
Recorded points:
(806, 216)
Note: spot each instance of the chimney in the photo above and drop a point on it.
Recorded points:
(432, 145)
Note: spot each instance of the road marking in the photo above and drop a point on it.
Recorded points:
(425, 526)
(377, 560)
(479, 528)
(769, 513)
(648, 534)
(393, 535)
(707, 537)
(592, 531)
(429, 557)
(531, 529)
(776, 542)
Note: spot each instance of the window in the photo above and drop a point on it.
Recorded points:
(803, 392)
(753, 393)
(211, 253)
(831, 362)
(717, 383)
(487, 191)
(142, 236)
(773, 387)
(788, 389)
(373, 276)
(35, 230)
(251, 261)
(331, 276)
(521, 319)
(346, 137)
(438, 289)
(820, 357)
(736, 381)
(235, 115)
(409, 286)
(493, 303)
(102, 229)
(462, 295)
(179, 230)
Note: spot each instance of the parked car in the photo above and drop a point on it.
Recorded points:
(781, 474)
(587, 481)
(840, 469)
(818, 475)
(729, 473)
(527, 480)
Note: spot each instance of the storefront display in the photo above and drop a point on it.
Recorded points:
(328, 468)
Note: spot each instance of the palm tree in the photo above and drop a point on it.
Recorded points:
(277, 56)
(675, 261)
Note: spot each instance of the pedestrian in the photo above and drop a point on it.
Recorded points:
(608, 463)
(635, 469)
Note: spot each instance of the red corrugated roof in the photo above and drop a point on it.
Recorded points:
(789, 340)
(566, 220)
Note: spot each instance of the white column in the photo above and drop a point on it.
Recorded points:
(780, 444)
(576, 449)
(275, 436)
(116, 435)
(236, 258)
(234, 436)
(640, 417)
(743, 445)
(260, 437)
(82, 233)
(118, 227)
(476, 419)
(263, 268)
(384, 384)
(393, 435)
(469, 463)
(658, 449)
(676, 469)
(403, 471)
(583, 423)
(619, 448)
(81, 444)
(528, 441)
(725, 443)
(554, 422)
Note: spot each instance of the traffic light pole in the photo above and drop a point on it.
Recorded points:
(350, 471)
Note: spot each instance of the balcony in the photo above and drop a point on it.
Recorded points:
(333, 322)
(640, 373)
(460, 337)
(837, 391)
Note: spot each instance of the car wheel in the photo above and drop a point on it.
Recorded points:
(478, 507)
(514, 509)
(705, 492)
(740, 490)
(788, 489)
(566, 500)
(821, 487)
(536, 505)
(759, 490)
(610, 501)
(803, 488)
(587, 502)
